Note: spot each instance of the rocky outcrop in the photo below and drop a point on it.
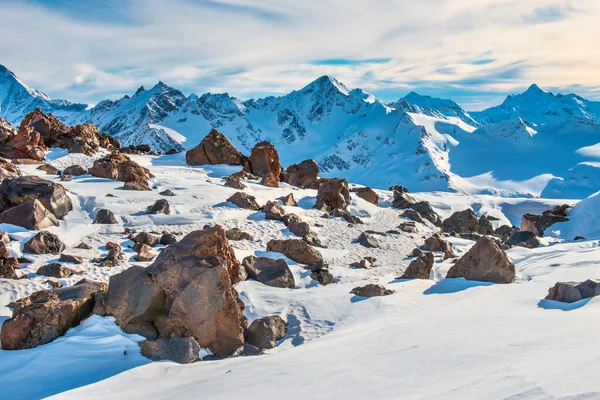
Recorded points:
(303, 175)
(371, 290)
(367, 194)
(244, 200)
(55, 270)
(273, 210)
(295, 249)
(53, 196)
(268, 271)
(48, 314)
(570, 292)
(334, 194)
(75, 170)
(20, 145)
(214, 149)
(119, 167)
(30, 215)
(182, 350)
(288, 200)
(264, 163)
(419, 268)
(537, 223)
(485, 262)
(436, 243)
(187, 292)
(159, 207)
(44, 243)
(264, 333)
(104, 216)
(461, 222)
(8, 170)
(525, 239)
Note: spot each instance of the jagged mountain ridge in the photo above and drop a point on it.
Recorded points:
(418, 141)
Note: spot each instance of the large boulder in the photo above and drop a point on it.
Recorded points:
(525, 239)
(55, 270)
(367, 194)
(461, 222)
(44, 243)
(303, 175)
(104, 216)
(15, 191)
(436, 243)
(334, 194)
(187, 292)
(295, 249)
(537, 223)
(182, 350)
(214, 149)
(119, 167)
(30, 215)
(268, 271)
(21, 145)
(419, 268)
(48, 314)
(244, 200)
(75, 170)
(570, 292)
(485, 262)
(273, 210)
(264, 333)
(8, 169)
(264, 162)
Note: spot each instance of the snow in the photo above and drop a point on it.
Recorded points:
(439, 338)
(584, 220)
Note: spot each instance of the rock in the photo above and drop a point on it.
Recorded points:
(182, 350)
(485, 226)
(44, 243)
(539, 223)
(187, 292)
(288, 200)
(408, 227)
(523, 239)
(295, 249)
(54, 284)
(264, 162)
(70, 259)
(290, 218)
(333, 195)
(4, 237)
(30, 215)
(371, 290)
(244, 200)
(215, 149)
(159, 207)
(83, 246)
(420, 268)
(135, 186)
(235, 183)
(24, 144)
(237, 234)
(55, 270)
(49, 169)
(112, 246)
(167, 193)
(15, 191)
(412, 215)
(485, 262)
(4, 253)
(346, 216)
(268, 271)
(8, 169)
(48, 314)
(323, 276)
(140, 247)
(303, 175)
(66, 178)
(461, 222)
(365, 263)
(504, 232)
(264, 333)
(436, 243)
(104, 216)
(416, 252)
(144, 256)
(273, 210)
(299, 229)
(110, 260)
(403, 200)
(398, 188)
(367, 240)
(312, 239)
(119, 167)
(8, 266)
(75, 170)
(145, 238)
(167, 239)
(367, 194)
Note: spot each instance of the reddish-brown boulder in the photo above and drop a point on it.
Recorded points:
(31, 215)
(295, 249)
(436, 243)
(53, 196)
(119, 167)
(303, 175)
(44, 243)
(244, 200)
(371, 290)
(215, 148)
(273, 210)
(268, 271)
(288, 200)
(486, 262)
(419, 268)
(367, 194)
(8, 170)
(75, 170)
(7, 268)
(333, 195)
(49, 169)
(538, 223)
(264, 162)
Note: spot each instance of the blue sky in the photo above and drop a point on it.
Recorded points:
(473, 51)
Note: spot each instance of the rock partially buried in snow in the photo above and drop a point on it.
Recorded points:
(303, 175)
(8, 169)
(55, 270)
(237, 234)
(273, 210)
(70, 259)
(182, 350)
(104, 216)
(268, 271)
(15, 191)
(159, 207)
(420, 268)
(367, 194)
(485, 262)
(332, 195)
(31, 215)
(44, 243)
(288, 200)
(295, 249)
(215, 149)
(75, 170)
(167, 192)
(436, 243)
(367, 240)
(570, 292)
(244, 200)
(49, 169)
(371, 290)
(145, 238)
(264, 333)
(523, 239)
(461, 222)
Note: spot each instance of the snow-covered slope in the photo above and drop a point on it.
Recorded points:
(434, 107)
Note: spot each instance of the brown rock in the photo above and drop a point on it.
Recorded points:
(273, 210)
(371, 290)
(178, 349)
(436, 243)
(365, 263)
(234, 182)
(303, 175)
(420, 268)
(244, 200)
(144, 256)
(119, 167)
(264, 162)
(8, 169)
(570, 292)
(70, 259)
(104, 216)
(75, 170)
(145, 238)
(537, 223)
(49, 169)
(288, 200)
(295, 249)
(367, 194)
(264, 333)
(332, 195)
(461, 222)
(215, 148)
(268, 271)
(43, 243)
(237, 234)
(7, 268)
(15, 191)
(159, 207)
(55, 270)
(486, 262)
(31, 215)
(300, 229)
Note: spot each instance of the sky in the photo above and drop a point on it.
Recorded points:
(473, 51)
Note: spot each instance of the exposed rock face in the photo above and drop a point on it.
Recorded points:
(75, 170)
(104, 216)
(30, 215)
(300, 229)
(44, 243)
(420, 268)
(288, 200)
(8, 169)
(55, 270)
(48, 314)
(178, 349)
(187, 292)
(367, 194)
(237, 234)
(295, 249)
(119, 167)
(273, 210)
(539, 223)
(235, 183)
(264, 162)
(49, 169)
(367, 240)
(570, 292)
(523, 239)
(371, 290)
(403, 200)
(244, 200)
(268, 271)
(436, 243)
(332, 195)
(264, 333)
(159, 207)
(461, 222)
(485, 262)
(15, 191)
(303, 175)
(145, 238)
(505, 231)
(214, 149)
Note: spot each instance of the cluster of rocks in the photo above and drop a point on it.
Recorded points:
(538, 223)
(419, 209)
(119, 167)
(8, 264)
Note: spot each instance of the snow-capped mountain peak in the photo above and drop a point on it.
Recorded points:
(433, 106)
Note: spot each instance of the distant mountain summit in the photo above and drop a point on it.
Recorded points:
(434, 107)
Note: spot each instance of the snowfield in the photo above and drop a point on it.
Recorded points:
(439, 338)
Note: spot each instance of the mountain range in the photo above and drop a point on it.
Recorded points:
(533, 144)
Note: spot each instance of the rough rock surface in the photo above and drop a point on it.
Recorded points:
(237, 234)
(419, 268)
(44, 243)
(182, 350)
(288, 200)
(215, 149)
(159, 207)
(570, 292)
(75, 170)
(268, 271)
(104, 216)
(436, 243)
(264, 163)
(485, 262)
(367, 194)
(30, 215)
(295, 249)
(8, 169)
(273, 210)
(264, 333)
(15, 191)
(303, 175)
(461, 222)
(55, 270)
(525, 239)
(371, 290)
(119, 167)
(244, 200)
(367, 240)
(538, 223)
(332, 195)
